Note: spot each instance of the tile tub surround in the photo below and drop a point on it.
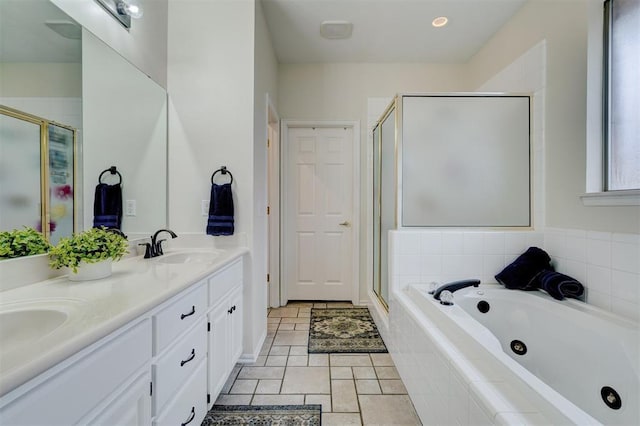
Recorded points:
(607, 264)
(353, 389)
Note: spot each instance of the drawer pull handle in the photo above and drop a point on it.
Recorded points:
(193, 355)
(191, 417)
(193, 311)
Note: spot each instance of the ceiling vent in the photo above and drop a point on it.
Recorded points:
(66, 29)
(335, 30)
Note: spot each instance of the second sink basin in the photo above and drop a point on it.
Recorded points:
(188, 257)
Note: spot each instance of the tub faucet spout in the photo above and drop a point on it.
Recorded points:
(454, 286)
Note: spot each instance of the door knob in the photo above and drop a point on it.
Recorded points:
(345, 223)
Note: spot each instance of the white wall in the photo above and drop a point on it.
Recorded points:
(144, 45)
(265, 82)
(341, 91)
(62, 80)
(564, 26)
(213, 91)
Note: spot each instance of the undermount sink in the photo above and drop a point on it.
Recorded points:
(188, 257)
(24, 325)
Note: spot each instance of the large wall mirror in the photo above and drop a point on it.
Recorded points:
(53, 69)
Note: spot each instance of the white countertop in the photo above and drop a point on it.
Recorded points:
(96, 308)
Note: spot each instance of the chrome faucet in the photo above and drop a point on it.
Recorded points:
(154, 249)
(454, 286)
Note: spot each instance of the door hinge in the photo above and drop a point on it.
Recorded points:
(268, 278)
(208, 398)
(209, 326)
(268, 210)
(150, 388)
(268, 143)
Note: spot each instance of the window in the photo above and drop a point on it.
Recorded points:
(622, 94)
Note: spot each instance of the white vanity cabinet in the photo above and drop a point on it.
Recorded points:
(225, 325)
(94, 386)
(165, 367)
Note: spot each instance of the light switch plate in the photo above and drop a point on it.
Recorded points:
(204, 208)
(130, 207)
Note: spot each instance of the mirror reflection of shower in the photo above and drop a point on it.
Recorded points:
(37, 178)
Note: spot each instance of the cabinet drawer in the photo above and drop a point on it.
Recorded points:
(224, 281)
(72, 393)
(177, 317)
(178, 363)
(190, 403)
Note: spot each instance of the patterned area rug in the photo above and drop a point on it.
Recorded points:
(264, 415)
(343, 330)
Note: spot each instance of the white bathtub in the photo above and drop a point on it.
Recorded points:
(459, 367)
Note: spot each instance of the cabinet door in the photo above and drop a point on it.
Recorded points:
(130, 409)
(235, 328)
(218, 349)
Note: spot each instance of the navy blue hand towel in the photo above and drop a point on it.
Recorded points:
(521, 273)
(107, 206)
(559, 285)
(220, 210)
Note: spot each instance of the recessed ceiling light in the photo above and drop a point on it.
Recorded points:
(440, 21)
(336, 29)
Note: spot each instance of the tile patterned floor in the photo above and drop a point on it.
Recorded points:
(353, 389)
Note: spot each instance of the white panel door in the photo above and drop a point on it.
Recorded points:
(318, 232)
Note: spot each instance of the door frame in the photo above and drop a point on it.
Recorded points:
(273, 204)
(284, 137)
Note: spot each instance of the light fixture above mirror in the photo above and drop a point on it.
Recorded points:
(122, 10)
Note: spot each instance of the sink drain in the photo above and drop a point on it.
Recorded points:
(483, 306)
(518, 347)
(611, 398)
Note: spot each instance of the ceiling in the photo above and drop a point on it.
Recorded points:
(24, 37)
(385, 30)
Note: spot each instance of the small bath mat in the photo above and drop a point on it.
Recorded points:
(343, 330)
(264, 415)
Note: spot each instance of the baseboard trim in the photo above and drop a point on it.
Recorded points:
(253, 357)
(380, 316)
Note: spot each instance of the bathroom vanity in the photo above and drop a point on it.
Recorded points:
(153, 344)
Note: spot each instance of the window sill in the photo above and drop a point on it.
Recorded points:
(612, 198)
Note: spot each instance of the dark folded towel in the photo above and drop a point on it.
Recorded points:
(559, 285)
(220, 210)
(107, 206)
(521, 273)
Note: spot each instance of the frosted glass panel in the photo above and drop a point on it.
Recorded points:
(61, 182)
(465, 161)
(20, 203)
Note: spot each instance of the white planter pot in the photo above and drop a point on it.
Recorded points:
(91, 271)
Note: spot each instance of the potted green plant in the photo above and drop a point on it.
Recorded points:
(22, 242)
(88, 254)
